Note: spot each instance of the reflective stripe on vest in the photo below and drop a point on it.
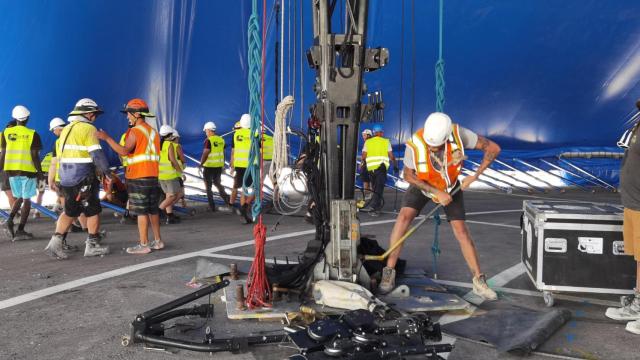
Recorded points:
(123, 159)
(18, 140)
(166, 169)
(45, 164)
(241, 148)
(377, 152)
(76, 145)
(150, 153)
(216, 156)
(267, 148)
(446, 178)
(144, 162)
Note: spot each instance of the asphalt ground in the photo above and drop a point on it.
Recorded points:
(81, 307)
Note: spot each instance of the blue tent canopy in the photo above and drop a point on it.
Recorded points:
(532, 74)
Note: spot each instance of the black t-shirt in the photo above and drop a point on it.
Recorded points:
(36, 144)
(207, 144)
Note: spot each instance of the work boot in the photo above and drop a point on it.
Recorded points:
(139, 249)
(93, 248)
(172, 219)
(68, 248)
(22, 235)
(633, 327)
(76, 228)
(245, 210)
(626, 313)
(483, 290)
(8, 229)
(54, 248)
(388, 281)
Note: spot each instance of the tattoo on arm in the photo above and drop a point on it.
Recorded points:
(490, 150)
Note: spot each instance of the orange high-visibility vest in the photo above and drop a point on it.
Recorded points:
(145, 159)
(423, 164)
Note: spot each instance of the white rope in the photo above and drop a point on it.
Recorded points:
(280, 149)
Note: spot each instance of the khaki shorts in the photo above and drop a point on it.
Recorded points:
(631, 233)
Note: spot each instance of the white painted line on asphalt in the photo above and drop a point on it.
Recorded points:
(493, 224)
(131, 268)
(34, 295)
(498, 280)
(243, 258)
(525, 292)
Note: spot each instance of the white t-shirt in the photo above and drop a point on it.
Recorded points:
(469, 140)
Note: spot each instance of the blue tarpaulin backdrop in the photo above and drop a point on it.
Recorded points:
(532, 74)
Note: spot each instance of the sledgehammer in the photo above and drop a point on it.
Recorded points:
(408, 233)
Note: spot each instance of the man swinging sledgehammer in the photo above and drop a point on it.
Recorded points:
(432, 163)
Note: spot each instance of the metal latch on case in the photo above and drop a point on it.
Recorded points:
(590, 245)
(618, 248)
(555, 245)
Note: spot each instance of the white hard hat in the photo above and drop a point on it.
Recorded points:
(176, 133)
(86, 106)
(367, 132)
(165, 130)
(245, 121)
(209, 125)
(437, 129)
(20, 113)
(55, 123)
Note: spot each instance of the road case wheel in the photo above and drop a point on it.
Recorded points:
(125, 341)
(548, 298)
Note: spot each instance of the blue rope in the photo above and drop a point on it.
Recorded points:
(435, 248)
(440, 99)
(255, 74)
(440, 66)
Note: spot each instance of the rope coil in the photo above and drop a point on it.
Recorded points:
(258, 290)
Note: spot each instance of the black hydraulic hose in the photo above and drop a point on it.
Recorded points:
(217, 345)
(394, 352)
(184, 300)
(203, 310)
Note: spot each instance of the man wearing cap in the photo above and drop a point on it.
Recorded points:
(80, 157)
(239, 162)
(142, 148)
(364, 174)
(169, 173)
(21, 161)
(212, 160)
(378, 155)
(432, 163)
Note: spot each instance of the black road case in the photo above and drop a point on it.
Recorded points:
(575, 247)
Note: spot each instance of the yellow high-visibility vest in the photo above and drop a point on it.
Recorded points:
(377, 152)
(176, 151)
(123, 159)
(77, 143)
(18, 140)
(267, 147)
(241, 148)
(46, 162)
(166, 169)
(216, 156)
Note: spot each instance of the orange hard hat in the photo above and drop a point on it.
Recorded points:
(139, 106)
